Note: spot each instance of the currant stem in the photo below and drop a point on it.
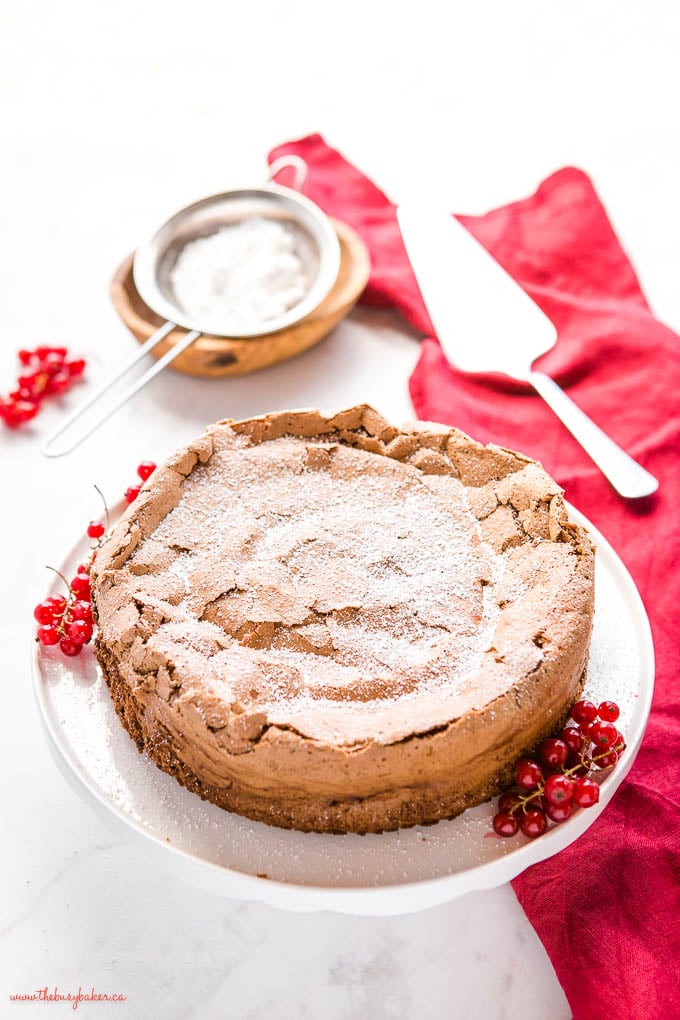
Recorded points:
(106, 508)
(70, 599)
(526, 801)
(59, 574)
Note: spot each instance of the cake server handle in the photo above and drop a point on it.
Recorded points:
(47, 448)
(628, 477)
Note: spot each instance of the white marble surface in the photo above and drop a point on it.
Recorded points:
(111, 117)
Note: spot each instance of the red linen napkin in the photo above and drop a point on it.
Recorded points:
(608, 907)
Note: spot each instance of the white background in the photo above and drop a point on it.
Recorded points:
(111, 117)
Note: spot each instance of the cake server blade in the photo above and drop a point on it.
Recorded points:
(485, 322)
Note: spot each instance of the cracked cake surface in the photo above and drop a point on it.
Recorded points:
(332, 624)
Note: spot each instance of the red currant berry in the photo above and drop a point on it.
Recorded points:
(559, 812)
(584, 712)
(608, 760)
(132, 492)
(70, 647)
(8, 416)
(586, 793)
(80, 586)
(572, 737)
(5, 406)
(23, 410)
(528, 774)
(95, 529)
(76, 367)
(81, 611)
(27, 409)
(603, 734)
(53, 360)
(146, 469)
(509, 801)
(25, 393)
(608, 711)
(80, 631)
(58, 383)
(554, 753)
(57, 604)
(48, 635)
(25, 357)
(558, 789)
(44, 613)
(30, 379)
(533, 823)
(505, 824)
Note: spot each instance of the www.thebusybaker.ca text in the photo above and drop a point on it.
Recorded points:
(75, 998)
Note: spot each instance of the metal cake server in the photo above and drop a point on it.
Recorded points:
(485, 322)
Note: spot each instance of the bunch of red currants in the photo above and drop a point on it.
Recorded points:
(46, 372)
(66, 620)
(553, 787)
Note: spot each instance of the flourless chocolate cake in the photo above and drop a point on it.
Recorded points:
(332, 624)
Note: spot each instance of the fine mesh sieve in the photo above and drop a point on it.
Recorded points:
(154, 261)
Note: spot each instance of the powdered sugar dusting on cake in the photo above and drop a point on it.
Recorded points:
(336, 580)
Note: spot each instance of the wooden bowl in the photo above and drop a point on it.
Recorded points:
(220, 356)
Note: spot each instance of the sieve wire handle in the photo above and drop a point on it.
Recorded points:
(47, 448)
(298, 164)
